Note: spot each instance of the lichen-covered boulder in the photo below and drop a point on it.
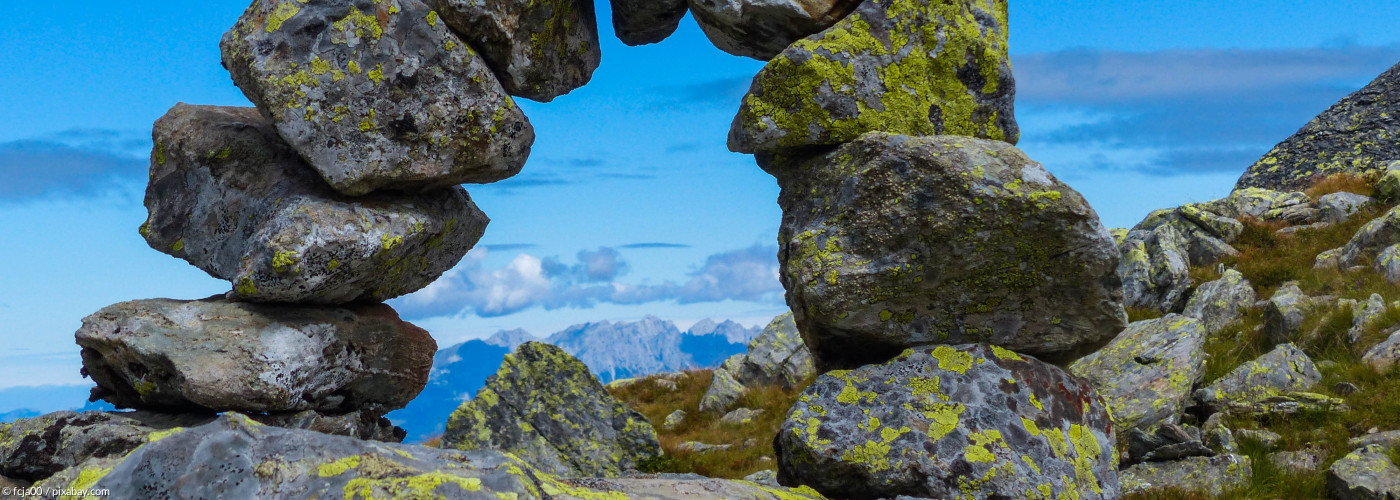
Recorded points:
(1258, 203)
(1364, 314)
(377, 94)
(539, 49)
(546, 407)
(897, 66)
(219, 355)
(1373, 238)
(1364, 474)
(1388, 187)
(1210, 476)
(1354, 136)
(1147, 373)
(1283, 370)
(1338, 207)
(1388, 263)
(1155, 268)
(1218, 303)
(1385, 354)
(761, 29)
(1284, 313)
(79, 477)
(675, 419)
(235, 457)
(36, 448)
(227, 195)
(777, 356)
(895, 241)
(1305, 461)
(640, 22)
(724, 388)
(970, 421)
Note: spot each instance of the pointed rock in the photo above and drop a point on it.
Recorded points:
(545, 407)
(1355, 136)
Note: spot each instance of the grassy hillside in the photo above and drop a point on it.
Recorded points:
(751, 444)
(1268, 260)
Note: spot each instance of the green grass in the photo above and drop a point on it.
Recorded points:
(752, 443)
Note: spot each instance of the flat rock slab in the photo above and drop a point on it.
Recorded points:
(761, 29)
(1146, 374)
(969, 421)
(893, 241)
(1355, 136)
(36, 448)
(547, 408)
(377, 94)
(235, 457)
(539, 49)
(230, 197)
(896, 66)
(219, 355)
(1210, 476)
(1286, 369)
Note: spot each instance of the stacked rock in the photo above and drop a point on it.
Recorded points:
(339, 191)
(926, 259)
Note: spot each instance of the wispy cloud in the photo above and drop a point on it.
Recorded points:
(638, 246)
(1195, 111)
(528, 281)
(506, 247)
(38, 168)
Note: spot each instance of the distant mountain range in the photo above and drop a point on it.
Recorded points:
(613, 350)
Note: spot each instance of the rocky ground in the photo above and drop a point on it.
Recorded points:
(962, 324)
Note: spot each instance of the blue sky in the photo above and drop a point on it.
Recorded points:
(630, 204)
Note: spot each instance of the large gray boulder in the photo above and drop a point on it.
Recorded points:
(539, 49)
(1158, 253)
(761, 29)
(547, 408)
(219, 355)
(640, 22)
(895, 241)
(377, 94)
(1385, 354)
(969, 421)
(1364, 474)
(1259, 203)
(227, 195)
(1286, 369)
(235, 457)
(778, 356)
(1219, 303)
(1354, 136)
(911, 68)
(1284, 313)
(1155, 268)
(36, 448)
(1336, 208)
(1388, 263)
(1210, 476)
(1147, 373)
(1373, 238)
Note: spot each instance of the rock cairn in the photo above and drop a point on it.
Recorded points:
(339, 191)
(926, 260)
